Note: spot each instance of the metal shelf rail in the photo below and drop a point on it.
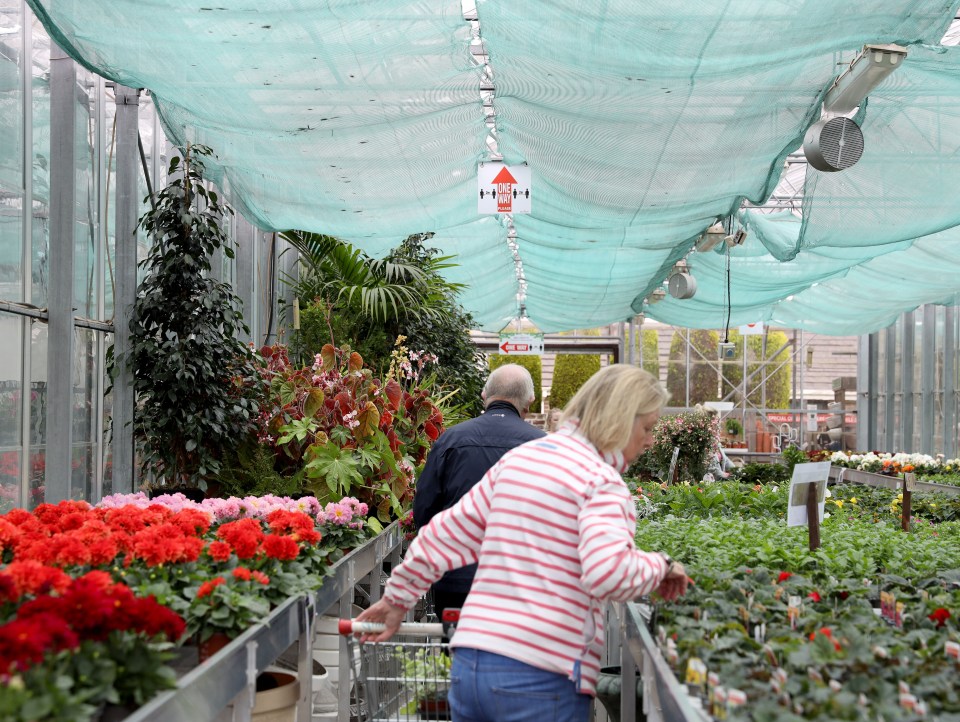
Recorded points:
(664, 698)
(907, 484)
(840, 474)
(222, 688)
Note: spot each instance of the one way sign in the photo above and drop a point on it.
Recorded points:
(521, 344)
(503, 189)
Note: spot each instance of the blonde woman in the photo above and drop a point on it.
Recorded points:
(551, 527)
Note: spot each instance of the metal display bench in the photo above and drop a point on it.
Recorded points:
(664, 698)
(223, 687)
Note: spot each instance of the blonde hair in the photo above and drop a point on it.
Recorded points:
(606, 406)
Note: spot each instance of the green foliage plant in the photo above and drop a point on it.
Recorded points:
(704, 375)
(837, 658)
(793, 455)
(192, 374)
(430, 667)
(733, 427)
(350, 433)
(533, 364)
(570, 372)
(322, 322)
(350, 299)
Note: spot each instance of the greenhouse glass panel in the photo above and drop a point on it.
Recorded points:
(107, 412)
(881, 390)
(40, 67)
(86, 408)
(87, 197)
(11, 96)
(11, 379)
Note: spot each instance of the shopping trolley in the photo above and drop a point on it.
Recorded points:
(405, 679)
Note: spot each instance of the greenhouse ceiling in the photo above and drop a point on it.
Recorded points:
(643, 123)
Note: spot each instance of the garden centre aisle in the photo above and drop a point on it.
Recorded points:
(256, 258)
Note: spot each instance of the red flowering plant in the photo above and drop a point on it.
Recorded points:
(69, 645)
(171, 555)
(350, 433)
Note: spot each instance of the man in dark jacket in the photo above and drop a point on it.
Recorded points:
(464, 453)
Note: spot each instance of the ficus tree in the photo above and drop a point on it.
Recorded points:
(193, 376)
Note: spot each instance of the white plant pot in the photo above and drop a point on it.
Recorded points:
(330, 659)
(326, 645)
(278, 704)
(324, 697)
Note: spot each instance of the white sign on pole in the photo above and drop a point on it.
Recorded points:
(503, 188)
(521, 344)
(752, 329)
(804, 475)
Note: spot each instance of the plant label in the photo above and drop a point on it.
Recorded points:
(696, 673)
(804, 474)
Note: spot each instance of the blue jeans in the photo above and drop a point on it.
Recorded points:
(487, 687)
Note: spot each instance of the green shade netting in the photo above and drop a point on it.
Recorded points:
(836, 291)
(642, 122)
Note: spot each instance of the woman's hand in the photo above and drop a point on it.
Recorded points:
(675, 583)
(384, 612)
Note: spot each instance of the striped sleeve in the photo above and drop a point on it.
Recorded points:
(451, 540)
(612, 566)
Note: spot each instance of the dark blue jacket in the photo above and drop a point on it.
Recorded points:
(457, 461)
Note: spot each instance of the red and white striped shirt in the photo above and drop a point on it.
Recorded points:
(552, 526)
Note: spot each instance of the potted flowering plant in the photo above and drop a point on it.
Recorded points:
(350, 433)
(69, 646)
(222, 609)
(694, 433)
(148, 574)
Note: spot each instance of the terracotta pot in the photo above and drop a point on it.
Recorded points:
(211, 645)
(434, 709)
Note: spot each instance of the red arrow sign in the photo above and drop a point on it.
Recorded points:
(505, 182)
(508, 347)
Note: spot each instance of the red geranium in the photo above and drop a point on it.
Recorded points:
(280, 547)
(940, 615)
(207, 587)
(33, 578)
(25, 642)
(219, 551)
(814, 595)
(244, 535)
(91, 608)
(298, 525)
(828, 633)
(241, 573)
(784, 576)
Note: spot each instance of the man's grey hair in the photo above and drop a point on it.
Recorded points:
(512, 383)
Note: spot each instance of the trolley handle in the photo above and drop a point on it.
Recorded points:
(446, 627)
(352, 626)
